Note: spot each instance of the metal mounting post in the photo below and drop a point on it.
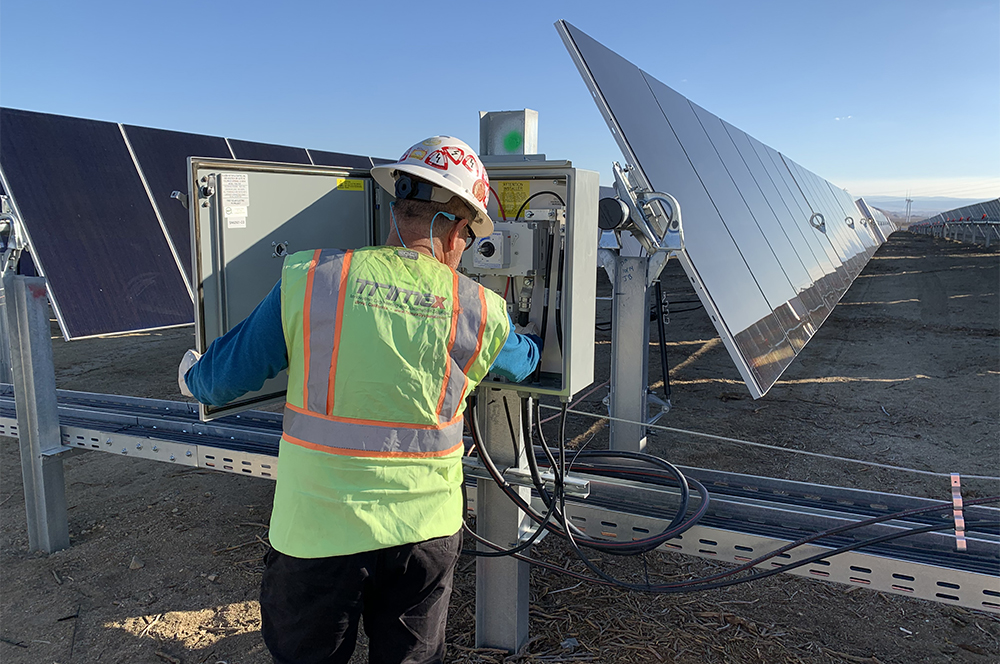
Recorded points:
(629, 350)
(502, 582)
(34, 377)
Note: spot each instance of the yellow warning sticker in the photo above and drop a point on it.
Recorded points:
(513, 194)
(346, 184)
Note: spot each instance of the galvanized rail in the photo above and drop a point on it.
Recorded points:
(748, 515)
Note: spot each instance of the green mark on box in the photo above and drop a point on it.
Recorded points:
(513, 141)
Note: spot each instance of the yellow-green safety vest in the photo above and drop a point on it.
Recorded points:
(384, 344)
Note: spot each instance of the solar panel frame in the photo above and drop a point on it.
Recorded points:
(48, 163)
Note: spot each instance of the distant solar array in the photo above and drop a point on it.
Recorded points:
(986, 211)
(93, 199)
(978, 223)
(770, 246)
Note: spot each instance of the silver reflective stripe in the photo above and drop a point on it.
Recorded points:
(370, 438)
(469, 322)
(322, 324)
(463, 350)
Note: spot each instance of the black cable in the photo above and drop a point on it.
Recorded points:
(661, 328)
(498, 550)
(707, 582)
(635, 546)
(536, 195)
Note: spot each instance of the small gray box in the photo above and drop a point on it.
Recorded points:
(508, 132)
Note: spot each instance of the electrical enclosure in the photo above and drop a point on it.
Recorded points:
(541, 259)
(245, 217)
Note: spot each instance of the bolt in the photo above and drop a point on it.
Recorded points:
(138, 446)
(124, 451)
(171, 457)
(188, 453)
(109, 441)
(155, 449)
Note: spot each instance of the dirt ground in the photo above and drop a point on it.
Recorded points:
(165, 563)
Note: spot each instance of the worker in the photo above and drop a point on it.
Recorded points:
(382, 345)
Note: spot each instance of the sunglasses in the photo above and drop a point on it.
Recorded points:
(470, 239)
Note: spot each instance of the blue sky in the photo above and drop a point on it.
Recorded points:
(879, 96)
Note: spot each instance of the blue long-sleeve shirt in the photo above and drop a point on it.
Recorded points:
(254, 351)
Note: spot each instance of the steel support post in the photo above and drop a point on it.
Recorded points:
(629, 353)
(501, 582)
(34, 376)
(6, 371)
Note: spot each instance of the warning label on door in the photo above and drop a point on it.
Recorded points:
(346, 184)
(235, 189)
(512, 194)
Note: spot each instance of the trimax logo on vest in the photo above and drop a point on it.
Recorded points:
(401, 295)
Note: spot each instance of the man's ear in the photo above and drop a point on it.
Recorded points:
(455, 236)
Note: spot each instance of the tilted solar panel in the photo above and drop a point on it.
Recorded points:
(162, 157)
(267, 152)
(322, 158)
(90, 224)
(770, 246)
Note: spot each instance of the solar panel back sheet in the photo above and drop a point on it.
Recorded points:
(769, 246)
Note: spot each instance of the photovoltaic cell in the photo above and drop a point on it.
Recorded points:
(769, 277)
(267, 152)
(92, 229)
(162, 157)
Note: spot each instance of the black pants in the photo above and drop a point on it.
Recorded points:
(310, 608)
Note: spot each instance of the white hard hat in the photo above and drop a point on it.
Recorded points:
(453, 168)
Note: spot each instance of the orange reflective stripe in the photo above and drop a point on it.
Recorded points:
(345, 268)
(360, 453)
(379, 423)
(456, 309)
(305, 323)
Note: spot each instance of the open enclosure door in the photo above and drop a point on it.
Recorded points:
(245, 218)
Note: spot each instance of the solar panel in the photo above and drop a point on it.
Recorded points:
(321, 158)
(162, 157)
(90, 224)
(267, 152)
(767, 276)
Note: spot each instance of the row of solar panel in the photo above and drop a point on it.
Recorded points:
(770, 246)
(878, 222)
(986, 211)
(94, 200)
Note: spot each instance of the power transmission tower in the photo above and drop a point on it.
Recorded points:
(909, 201)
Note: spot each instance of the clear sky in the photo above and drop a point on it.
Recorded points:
(879, 96)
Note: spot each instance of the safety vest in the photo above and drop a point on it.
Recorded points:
(384, 344)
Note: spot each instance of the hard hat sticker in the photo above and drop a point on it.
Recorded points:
(455, 154)
(416, 153)
(472, 164)
(479, 190)
(437, 160)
